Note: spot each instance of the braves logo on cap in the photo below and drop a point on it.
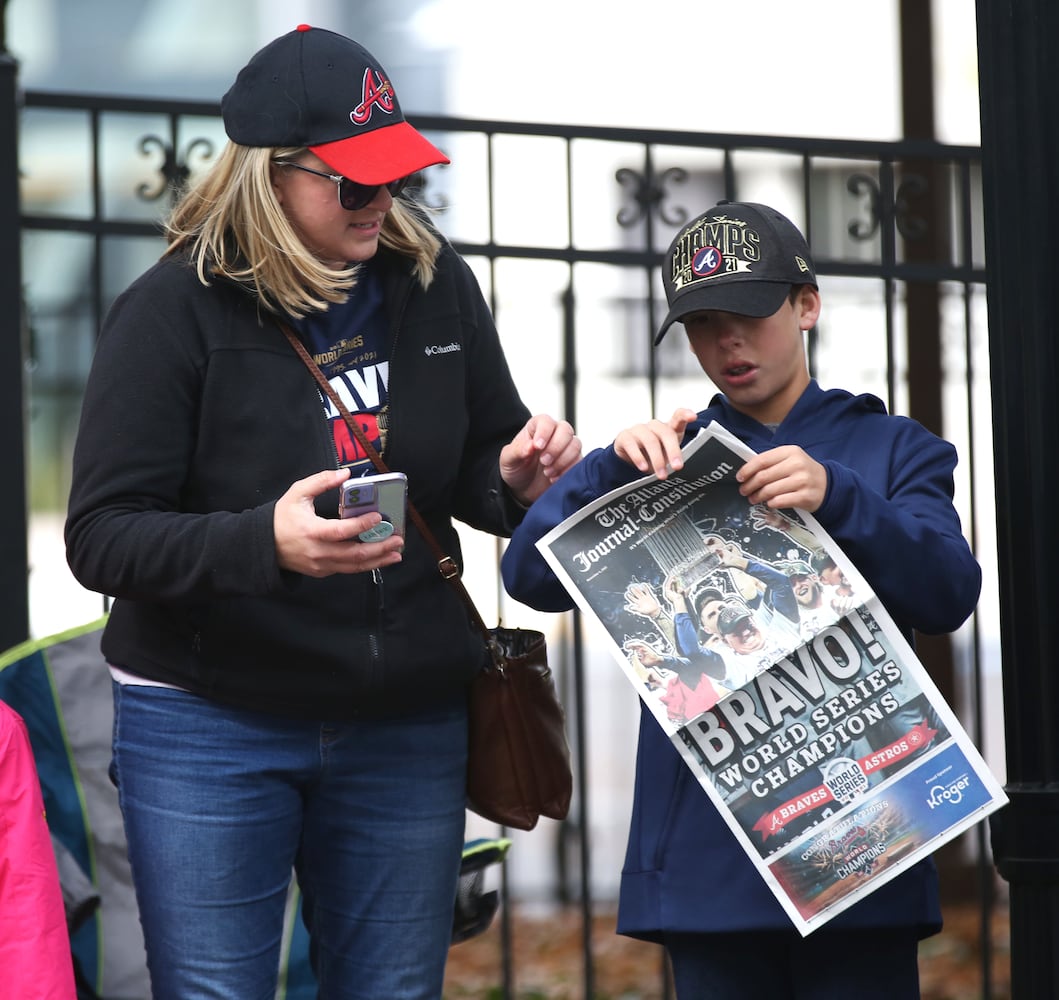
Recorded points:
(377, 92)
(706, 261)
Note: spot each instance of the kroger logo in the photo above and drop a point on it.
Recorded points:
(951, 793)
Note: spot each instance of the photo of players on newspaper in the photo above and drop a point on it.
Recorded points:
(790, 693)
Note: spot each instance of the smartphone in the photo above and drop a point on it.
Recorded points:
(387, 493)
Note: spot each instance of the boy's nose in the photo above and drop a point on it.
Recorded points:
(731, 331)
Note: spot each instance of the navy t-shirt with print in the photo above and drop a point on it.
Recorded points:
(350, 343)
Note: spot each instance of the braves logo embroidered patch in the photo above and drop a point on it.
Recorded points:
(377, 92)
(706, 261)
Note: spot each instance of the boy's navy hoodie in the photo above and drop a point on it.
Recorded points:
(889, 507)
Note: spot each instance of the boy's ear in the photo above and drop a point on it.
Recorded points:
(807, 307)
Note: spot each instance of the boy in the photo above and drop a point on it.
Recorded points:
(741, 281)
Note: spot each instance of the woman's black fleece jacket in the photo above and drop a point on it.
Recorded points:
(198, 416)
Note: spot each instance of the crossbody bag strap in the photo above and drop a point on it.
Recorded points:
(446, 564)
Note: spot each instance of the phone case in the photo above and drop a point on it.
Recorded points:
(385, 492)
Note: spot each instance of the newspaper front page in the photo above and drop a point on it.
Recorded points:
(779, 676)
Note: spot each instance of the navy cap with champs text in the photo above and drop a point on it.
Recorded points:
(739, 257)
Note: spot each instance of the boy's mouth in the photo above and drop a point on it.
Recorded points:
(738, 370)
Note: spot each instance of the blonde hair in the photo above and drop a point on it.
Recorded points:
(230, 224)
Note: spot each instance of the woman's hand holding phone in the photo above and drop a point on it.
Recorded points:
(318, 546)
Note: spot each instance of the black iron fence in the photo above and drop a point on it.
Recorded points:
(565, 228)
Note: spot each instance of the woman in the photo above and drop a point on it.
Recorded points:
(286, 695)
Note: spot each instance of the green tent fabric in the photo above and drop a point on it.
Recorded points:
(61, 687)
(474, 906)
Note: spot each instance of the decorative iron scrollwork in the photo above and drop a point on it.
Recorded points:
(417, 191)
(910, 225)
(649, 194)
(174, 172)
(863, 185)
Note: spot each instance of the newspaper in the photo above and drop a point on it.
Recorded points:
(779, 676)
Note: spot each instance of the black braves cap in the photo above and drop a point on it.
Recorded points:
(731, 618)
(821, 561)
(709, 594)
(738, 257)
(321, 90)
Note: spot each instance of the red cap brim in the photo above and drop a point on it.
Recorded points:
(380, 156)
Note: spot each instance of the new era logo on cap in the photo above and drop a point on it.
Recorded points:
(738, 257)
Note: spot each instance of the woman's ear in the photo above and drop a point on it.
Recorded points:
(276, 178)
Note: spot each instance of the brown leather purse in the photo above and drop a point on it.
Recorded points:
(518, 761)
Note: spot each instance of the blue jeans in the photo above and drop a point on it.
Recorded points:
(221, 804)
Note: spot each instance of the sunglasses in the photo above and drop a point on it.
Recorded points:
(351, 194)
